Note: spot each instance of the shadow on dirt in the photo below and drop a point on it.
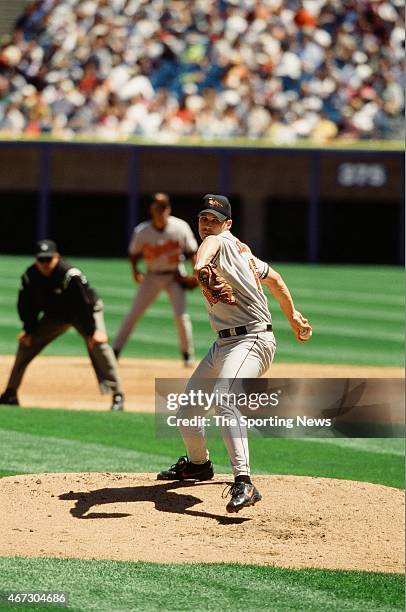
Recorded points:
(164, 496)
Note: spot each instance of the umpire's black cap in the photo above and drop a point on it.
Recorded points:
(218, 205)
(45, 249)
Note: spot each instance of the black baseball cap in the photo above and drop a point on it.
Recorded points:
(218, 205)
(46, 249)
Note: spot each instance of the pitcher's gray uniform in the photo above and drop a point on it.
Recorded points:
(163, 252)
(244, 356)
(230, 276)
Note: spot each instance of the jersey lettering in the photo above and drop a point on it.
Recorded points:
(153, 251)
(253, 267)
(242, 248)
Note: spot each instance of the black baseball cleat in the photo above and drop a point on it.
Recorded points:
(243, 494)
(118, 402)
(184, 469)
(9, 398)
(188, 361)
(116, 353)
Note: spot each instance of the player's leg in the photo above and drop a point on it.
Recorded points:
(239, 358)
(236, 357)
(196, 464)
(194, 437)
(45, 333)
(146, 294)
(182, 319)
(104, 361)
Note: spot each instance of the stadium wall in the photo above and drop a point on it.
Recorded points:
(9, 13)
(289, 204)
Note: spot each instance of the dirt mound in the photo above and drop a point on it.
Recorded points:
(301, 522)
(69, 382)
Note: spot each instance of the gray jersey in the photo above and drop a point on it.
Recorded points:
(236, 263)
(163, 250)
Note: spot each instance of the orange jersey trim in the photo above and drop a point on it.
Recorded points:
(153, 251)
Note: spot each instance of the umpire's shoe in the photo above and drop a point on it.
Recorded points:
(118, 402)
(9, 398)
(184, 469)
(242, 494)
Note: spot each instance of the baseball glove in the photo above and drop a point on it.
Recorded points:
(187, 281)
(215, 286)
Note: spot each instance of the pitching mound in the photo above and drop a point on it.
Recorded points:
(301, 522)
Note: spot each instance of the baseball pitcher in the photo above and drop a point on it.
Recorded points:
(163, 243)
(53, 297)
(232, 279)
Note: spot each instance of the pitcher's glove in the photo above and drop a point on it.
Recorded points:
(215, 285)
(187, 281)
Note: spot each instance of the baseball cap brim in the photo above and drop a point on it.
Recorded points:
(45, 257)
(216, 213)
(48, 254)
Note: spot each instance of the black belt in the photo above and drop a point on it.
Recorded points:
(239, 331)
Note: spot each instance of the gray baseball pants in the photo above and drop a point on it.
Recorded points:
(147, 292)
(229, 359)
(101, 356)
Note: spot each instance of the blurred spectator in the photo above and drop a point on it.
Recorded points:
(163, 69)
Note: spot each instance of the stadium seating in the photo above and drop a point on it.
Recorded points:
(285, 70)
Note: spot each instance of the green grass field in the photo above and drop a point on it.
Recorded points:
(118, 586)
(39, 440)
(356, 312)
(43, 440)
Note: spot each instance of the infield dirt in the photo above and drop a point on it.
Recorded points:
(301, 521)
(69, 382)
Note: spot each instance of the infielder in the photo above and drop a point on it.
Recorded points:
(163, 243)
(231, 278)
(53, 297)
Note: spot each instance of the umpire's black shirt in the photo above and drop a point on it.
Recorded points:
(65, 296)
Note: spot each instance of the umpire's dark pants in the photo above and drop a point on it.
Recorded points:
(101, 355)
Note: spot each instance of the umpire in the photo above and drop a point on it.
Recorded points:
(53, 297)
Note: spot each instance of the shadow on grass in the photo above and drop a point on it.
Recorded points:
(163, 496)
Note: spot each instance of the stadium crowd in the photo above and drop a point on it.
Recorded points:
(282, 69)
